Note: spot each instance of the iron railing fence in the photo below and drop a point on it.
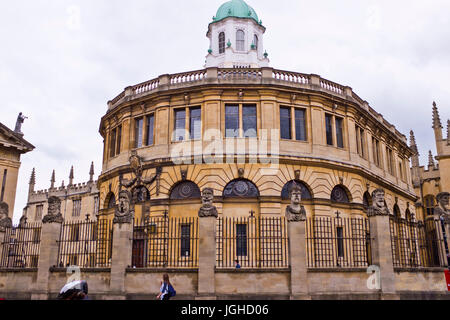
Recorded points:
(255, 242)
(163, 242)
(86, 244)
(20, 247)
(336, 242)
(417, 244)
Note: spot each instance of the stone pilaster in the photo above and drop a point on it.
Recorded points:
(206, 258)
(121, 258)
(297, 254)
(48, 257)
(382, 254)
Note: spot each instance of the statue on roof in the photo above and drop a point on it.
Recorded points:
(20, 119)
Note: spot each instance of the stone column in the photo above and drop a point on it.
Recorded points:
(297, 254)
(382, 254)
(48, 257)
(206, 258)
(121, 258)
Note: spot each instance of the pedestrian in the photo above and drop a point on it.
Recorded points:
(238, 266)
(166, 291)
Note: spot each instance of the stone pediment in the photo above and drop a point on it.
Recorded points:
(11, 139)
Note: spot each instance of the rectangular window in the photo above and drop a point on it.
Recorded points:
(112, 147)
(390, 161)
(241, 240)
(119, 139)
(376, 152)
(249, 121)
(362, 151)
(195, 123)
(150, 129)
(76, 211)
(139, 126)
(5, 172)
(180, 125)
(340, 241)
(39, 210)
(329, 129)
(185, 240)
(339, 132)
(285, 123)
(300, 125)
(232, 121)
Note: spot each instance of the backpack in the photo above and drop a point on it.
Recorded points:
(171, 291)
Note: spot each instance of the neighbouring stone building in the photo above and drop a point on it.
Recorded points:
(290, 176)
(12, 146)
(433, 179)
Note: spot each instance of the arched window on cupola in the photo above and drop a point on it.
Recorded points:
(255, 42)
(240, 40)
(222, 42)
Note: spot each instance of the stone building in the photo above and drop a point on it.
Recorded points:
(293, 177)
(433, 179)
(12, 146)
(78, 199)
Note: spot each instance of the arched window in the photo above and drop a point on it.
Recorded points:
(339, 194)
(140, 194)
(110, 201)
(255, 41)
(222, 42)
(185, 190)
(429, 205)
(241, 188)
(240, 40)
(367, 200)
(306, 194)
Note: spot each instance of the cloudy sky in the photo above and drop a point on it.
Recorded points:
(61, 61)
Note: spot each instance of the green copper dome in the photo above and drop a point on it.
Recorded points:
(237, 9)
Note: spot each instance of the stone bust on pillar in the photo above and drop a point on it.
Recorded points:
(5, 220)
(443, 210)
(295, 211)
(54, 211)
(378, 207)
(208, 209)
(124, 212)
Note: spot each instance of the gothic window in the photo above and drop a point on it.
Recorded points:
(39, 210)
(185, 190)
(240, 40)
(408, 215)
(339, 194)
(76, 210)
(241, 188)
(111, 201)
(140, 194)
(429, 205)
(222, 42)
(306, 194)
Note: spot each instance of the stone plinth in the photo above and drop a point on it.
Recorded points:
(206, 258)
(121, 258)
(48, 257)
(297, 254)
